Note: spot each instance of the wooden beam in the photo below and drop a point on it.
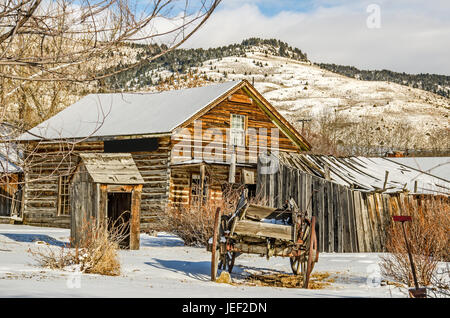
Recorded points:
(260, 229)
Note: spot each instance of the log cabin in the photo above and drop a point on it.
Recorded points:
(185, 143)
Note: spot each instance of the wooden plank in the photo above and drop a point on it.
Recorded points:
(258, 212)
(359, 221)
(329, 217)
(279, 186)
(135, 218)
(260, 229)
(373, 222)
(272, 190)
(261, 250)
(378, 215)
(352, 222)
(336, 217)
(321, 208)
(342, 219)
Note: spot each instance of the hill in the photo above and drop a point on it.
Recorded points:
(342, 110)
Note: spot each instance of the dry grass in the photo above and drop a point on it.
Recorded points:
(95, 253)
(429, 241)
(318, 280)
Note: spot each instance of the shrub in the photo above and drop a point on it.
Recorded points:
(95, 253)
(194, 223)
(429, 241)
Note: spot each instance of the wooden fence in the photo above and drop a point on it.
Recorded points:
(348, 220)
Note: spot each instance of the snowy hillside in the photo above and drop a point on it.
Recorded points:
(397, 116)
(300, 90)
(359, 117)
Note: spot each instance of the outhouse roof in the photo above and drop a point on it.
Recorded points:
(107, 168)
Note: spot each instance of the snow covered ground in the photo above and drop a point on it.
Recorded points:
(164, 267)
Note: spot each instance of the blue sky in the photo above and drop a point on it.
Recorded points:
(412, 35)
(271, 8)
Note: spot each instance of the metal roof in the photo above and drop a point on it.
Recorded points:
(101, 115)
(368, 174)
(118, 168)
(437, 166)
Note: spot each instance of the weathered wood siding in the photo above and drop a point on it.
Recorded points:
(154, 169)
(47, 162)
(85, 200)
(218, 119)
(43, 165)
(180, 181)
(348, 220)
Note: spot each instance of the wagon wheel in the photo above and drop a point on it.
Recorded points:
(215, 249)
(313, 253)
(299, 263)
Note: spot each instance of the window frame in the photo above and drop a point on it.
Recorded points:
(194, 198)
(239, 130)
(63, 195)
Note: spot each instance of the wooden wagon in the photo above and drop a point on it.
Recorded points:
(265, 231)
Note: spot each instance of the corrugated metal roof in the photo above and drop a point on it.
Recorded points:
(128, 113)
(437, 166)
(118, 168)
(368, 174)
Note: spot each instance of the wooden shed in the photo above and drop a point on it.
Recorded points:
(105, 187)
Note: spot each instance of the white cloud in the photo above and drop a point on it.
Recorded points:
(414, 36)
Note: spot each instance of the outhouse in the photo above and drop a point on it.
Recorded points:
(106, 187)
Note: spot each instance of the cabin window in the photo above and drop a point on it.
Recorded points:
(63, 196)
(237, 130)
(197, 195)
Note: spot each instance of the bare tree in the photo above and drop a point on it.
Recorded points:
(52, 52)
(68, 42)
(44, 40)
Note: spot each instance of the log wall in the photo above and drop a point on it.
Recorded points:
(45, 163)
(217, 175)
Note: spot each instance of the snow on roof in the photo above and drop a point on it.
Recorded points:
(10, 156)
(368, 174)
(8, 167)
(128, 113)
(437, 166)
